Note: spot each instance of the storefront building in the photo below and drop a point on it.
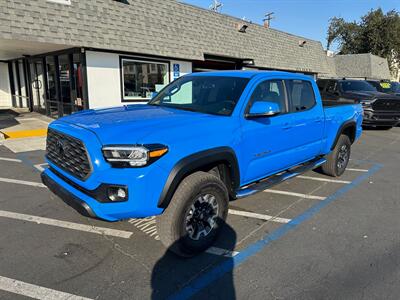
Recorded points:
(119, 52)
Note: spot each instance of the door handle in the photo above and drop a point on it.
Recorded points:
(287, 126)
(318, 120)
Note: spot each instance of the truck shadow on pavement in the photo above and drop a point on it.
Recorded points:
(171, 274)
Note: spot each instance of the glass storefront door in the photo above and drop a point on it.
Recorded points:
(52, 87)
(56, 83)
(52, 84)
(37, 86)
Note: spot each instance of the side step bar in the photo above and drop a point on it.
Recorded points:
(268, 182)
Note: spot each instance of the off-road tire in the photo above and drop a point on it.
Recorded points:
(330, 167)
(171, 224)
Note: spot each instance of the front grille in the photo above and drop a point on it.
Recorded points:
(68, 153)
(387, 105)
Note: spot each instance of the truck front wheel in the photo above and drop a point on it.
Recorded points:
(338, 159)
(197, 211)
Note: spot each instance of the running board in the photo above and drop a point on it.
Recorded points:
(268, 182)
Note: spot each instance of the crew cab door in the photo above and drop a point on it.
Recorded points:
(308, 119)
(272, 144)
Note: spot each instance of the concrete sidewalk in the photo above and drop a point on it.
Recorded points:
(23, 131)
(16, 123)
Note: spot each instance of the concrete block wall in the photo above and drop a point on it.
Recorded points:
(157, 27)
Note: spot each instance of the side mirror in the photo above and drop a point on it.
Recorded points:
(262, 109)
(153, 95)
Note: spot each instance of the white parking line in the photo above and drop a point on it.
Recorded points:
(258, 216)
(68, 225)
(148, 227)
(23, 182)
(41, 167)
(324, 179)
(357, 170)
(11, 159)
(305, 196)
(34, 291)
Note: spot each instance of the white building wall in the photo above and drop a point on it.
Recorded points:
(185, 67)
(5, 92)
(104, 77)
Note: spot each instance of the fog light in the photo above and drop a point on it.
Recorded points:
(117, 194)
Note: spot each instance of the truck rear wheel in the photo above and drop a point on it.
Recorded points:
(338, 159)
(193, 219)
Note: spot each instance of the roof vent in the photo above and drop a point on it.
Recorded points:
(302, 43)
(242, 27)
(122, 1)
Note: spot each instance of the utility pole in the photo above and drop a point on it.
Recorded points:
(267, 19)
(216, 6)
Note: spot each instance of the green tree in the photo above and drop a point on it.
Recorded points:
(375, 33)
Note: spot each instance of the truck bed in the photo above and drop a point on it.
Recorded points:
(329, 103)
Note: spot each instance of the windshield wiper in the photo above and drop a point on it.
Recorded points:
(179, 107)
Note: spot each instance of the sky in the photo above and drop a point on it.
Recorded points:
(307, 18)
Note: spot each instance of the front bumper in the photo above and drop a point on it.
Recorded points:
(67, 196)
(142, 201)
(381, 118)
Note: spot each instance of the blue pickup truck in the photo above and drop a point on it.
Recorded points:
(205, 139)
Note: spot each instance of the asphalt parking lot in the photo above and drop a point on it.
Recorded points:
(312, 237)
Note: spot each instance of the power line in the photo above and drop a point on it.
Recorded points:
(216, 6)
(267, 19)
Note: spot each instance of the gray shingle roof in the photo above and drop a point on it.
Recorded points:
(157, 27)
(361, 66)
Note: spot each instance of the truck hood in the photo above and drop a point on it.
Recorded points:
(133, 124)
(366, 95)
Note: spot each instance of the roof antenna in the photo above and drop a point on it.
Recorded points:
(267, 19)
(216, 6)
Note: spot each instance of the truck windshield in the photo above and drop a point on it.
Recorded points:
(382, 86)
(395, 87)
(356, 85)
(216, 95)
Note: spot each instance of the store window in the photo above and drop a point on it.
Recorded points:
(141, 78)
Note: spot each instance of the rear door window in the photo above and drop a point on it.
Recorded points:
(331, 87)
(301, 95)
(321, 85)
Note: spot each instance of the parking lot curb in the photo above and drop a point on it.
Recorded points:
(23, 133)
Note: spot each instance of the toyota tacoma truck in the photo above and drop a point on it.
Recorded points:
(380, 109)
(205, 139)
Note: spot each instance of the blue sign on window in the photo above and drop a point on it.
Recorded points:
(177, 71)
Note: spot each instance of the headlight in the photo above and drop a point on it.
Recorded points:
(133, 156)
(365, 102)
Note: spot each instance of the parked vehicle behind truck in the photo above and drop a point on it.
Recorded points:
(205, 139)
(387, 87)
(380, 109)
